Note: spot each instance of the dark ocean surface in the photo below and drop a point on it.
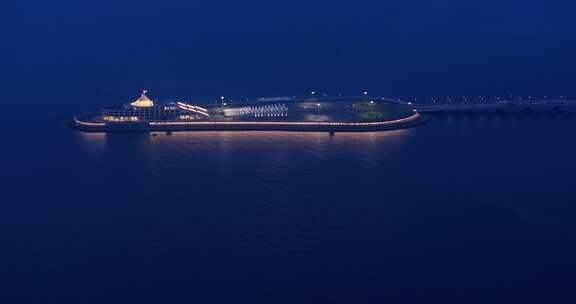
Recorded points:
(467, 208)
(474, 208)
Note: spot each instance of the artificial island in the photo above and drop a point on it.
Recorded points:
(340, 114)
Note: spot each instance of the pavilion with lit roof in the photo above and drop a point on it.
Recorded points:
(143, 101)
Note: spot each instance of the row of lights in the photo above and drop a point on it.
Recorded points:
(287, 123)
(222, 99)
(339, 94)
(483, 98)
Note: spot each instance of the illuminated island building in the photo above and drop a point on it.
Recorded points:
(144, 109)
(265, 114)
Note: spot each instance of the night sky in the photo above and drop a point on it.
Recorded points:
(468, 208)
(204, 49)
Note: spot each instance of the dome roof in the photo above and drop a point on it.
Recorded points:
(143, 101)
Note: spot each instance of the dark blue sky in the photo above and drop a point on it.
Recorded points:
(252, 48)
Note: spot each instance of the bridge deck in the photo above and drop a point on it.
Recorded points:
(461, 106)
(495, 105)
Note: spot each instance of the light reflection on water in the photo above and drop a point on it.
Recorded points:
(225, 154)
(274, 147)
(271, 137)
(94, 144)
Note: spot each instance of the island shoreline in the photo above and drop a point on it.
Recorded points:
(290, 126)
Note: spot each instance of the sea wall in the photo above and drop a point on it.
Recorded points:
(299, 126)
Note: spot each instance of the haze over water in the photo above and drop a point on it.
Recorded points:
(464, 209)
